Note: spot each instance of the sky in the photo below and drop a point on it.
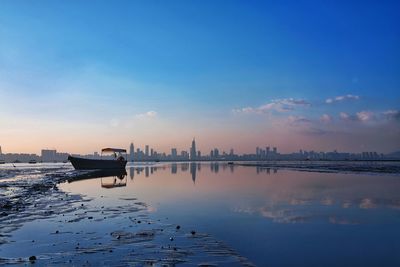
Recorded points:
(313, 75)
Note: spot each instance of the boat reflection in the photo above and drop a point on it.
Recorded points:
(116, 181)
(116, 174)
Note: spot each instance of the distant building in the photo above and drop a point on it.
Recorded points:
(48, 155)
(216, 153)
(1, 152)
(146, 150)
(131, 152)
(174, 153)
(193, 150)
(184, 154)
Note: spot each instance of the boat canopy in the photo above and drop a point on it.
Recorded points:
(117, 150)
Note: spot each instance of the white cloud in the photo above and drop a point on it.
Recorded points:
(277, 105)
(344, 116)
(342, 98)
(362, 116)
(148, 114)
(365, 116)
(326, 118)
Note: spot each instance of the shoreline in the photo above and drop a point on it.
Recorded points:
(365, 167)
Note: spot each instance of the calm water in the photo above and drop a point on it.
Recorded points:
(272, 217)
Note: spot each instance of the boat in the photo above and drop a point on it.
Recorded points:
(2, 161)
(32, 161)
(119, 162)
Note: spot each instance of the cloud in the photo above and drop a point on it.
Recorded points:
(298, 120)
(362, 116)
(148, 114)
(276, 105)
(365, 116)
(325, 118)
(342, 98)
(367, 203)
(392, 114)
(345, 116)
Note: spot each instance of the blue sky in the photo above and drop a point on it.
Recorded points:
(165, 71)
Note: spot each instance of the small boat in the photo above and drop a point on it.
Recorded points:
(2, 161)
(32, 161)
(119, 162)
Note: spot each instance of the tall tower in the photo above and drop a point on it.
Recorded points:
(193, 150)
(131, 152)
(1, 152)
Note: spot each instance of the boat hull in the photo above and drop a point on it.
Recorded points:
(96, 164)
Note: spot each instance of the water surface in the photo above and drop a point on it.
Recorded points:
(273, 217)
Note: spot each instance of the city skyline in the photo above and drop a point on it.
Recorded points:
(147, 153)
(79, 76)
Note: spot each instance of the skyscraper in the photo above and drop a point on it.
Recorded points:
(1, 152)
(131, 152)
(216, 153)
(193, 155)
(174, 153)
(146, 150)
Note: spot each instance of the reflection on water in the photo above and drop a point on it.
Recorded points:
(274, 217)
(194, 167)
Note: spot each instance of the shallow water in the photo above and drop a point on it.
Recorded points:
(272, 217)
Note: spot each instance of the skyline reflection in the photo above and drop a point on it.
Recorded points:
(192, 167)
